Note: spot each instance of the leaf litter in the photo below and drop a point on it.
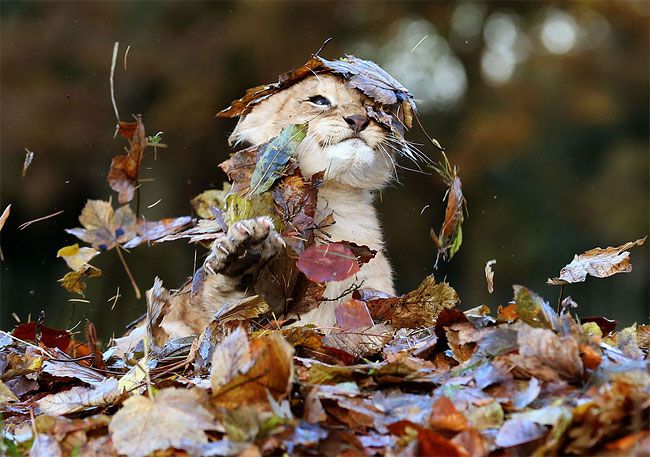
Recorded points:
(398, 376)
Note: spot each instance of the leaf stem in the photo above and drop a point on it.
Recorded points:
(136, 289)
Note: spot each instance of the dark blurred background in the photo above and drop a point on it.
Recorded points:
(543, 106)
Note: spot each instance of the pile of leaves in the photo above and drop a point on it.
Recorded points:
(407, 375)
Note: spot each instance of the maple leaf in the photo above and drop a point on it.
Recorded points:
(173, 418)
(598, 262)
(274, 156)
(123, 174)
(149, 231)
(334, 261)
(418, 308)
(77, 258)
(103, 227)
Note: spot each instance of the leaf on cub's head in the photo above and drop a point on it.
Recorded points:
(598, 262)
(123, 174)
(274, 156)
(104, 227)
(334, 261)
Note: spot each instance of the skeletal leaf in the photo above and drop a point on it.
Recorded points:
(598, 262)
(274, 157)
(174, 418)
(77, 257)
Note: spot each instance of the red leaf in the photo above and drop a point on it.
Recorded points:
(50, 337)
(353, 314)
(328, 262)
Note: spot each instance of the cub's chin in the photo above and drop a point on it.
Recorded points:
(351, 162)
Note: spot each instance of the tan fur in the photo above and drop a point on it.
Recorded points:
(355, 165)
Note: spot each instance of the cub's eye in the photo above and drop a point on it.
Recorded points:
(319, 100)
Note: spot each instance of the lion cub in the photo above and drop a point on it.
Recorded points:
(356, 155)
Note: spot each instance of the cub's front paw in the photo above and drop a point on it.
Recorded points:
(245, 248)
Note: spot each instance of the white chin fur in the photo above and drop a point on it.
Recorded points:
(351, 162)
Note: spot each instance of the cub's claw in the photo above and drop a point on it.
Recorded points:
(246, 246)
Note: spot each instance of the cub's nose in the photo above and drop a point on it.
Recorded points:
(357, 122)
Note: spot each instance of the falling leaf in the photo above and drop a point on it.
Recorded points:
(123, 174)
(73, 281)
(205, 201)
(418, 308)
(450, 238)
(77, 257)
(274, 156)
(332, 262)
(598, 262)
(103, 227)
(154, 230)
(79, 398)
(29, 157)
(489, 275)
(174, 418)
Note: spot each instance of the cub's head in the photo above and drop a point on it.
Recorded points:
(341, 139)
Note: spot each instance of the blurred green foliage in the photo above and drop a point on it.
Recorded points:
(543, 106)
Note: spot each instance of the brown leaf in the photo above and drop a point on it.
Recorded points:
(174, 418)
(123, 174)
(445, 416)
(547, 356)
(6, 395)
(149, 231)
(243, 374)
(450, 238)
(533, 309)
(239, 168)
(598, 262)
(73, 281)
(361, 342)
(79, 398)
(29, 157)
(72, 370)
(418, 308)
(353, 314)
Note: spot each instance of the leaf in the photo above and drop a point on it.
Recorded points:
(174, 418)
(73, 281)
(230, 358)
(213, 198)
(598, 262)
(239, 168)
(353, 314)
(450, 238)
(77, 257)
(362, 342)
(418, 308)
(103, 227)
(155, 230)
(79, 398)
(267, 369)
(243, 309)
(29, 157)
(47, 336)
(334, 261)
(72, 370)
(6, 395)
(45, 446)
(489, 275)
(274, 157)
(519, 431)
(533, 309)
(445, 416)
(123, 174)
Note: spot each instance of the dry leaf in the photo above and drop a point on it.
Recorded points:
(519, 431)
(489, 275)
(123, 174)
(598, 262)
(174, 418)
(418, 308)
(155, 230)
(103, 227)
(6, 395)
(73, 281)
(5, 215)
(230, 358)
(77, 257)
(445, 416)
(450, 238)
(79, 398)
(334, 261)
(29, 157)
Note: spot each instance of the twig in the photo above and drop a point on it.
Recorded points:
(136, 289)
(24, 225)
(116, 47)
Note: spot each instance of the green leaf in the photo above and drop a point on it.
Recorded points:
(274, 156)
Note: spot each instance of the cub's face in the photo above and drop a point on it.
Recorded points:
(351, 148)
